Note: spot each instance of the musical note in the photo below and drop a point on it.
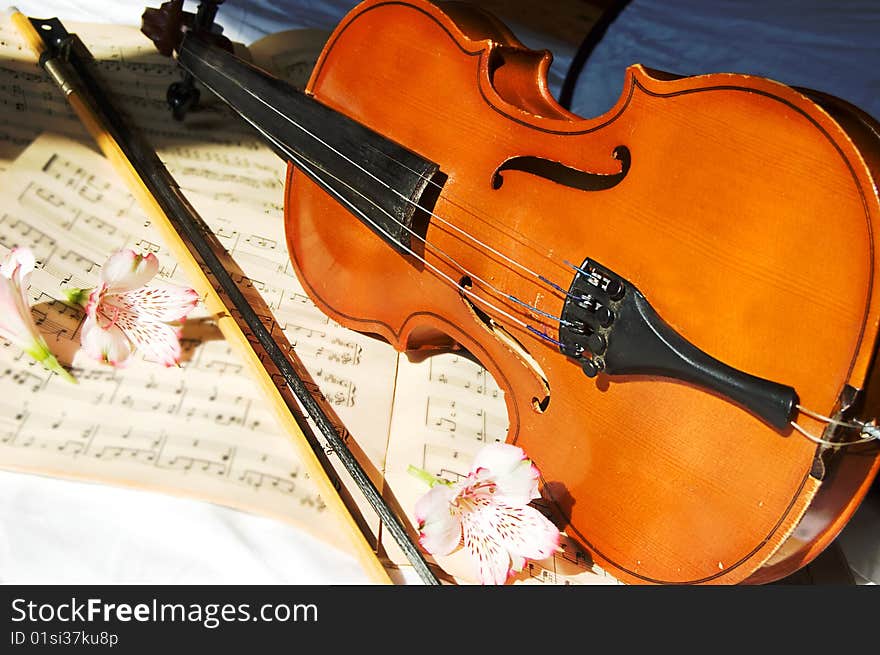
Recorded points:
(261, 242)
(148, 415)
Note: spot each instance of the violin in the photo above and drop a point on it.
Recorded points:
(678, 298)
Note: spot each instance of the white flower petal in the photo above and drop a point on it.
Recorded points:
(519, 486)
(16, 321)
(23, 263)
(155, 340)
(157, 303)
(19, 264)
(492, 560)
(517, 563)
(108, 345)
(439, 523)
(525, 532)
(96, 297)
(14, 325)
(8, 266)
(500, 458)
(503, 536)
(515, 475)
(126, 270)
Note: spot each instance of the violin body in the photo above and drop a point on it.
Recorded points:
(746, 215)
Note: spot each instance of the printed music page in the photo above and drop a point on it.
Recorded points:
(201, 430)
(290, 55)
(134, 426)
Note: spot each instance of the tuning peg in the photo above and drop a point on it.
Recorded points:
(181, 97)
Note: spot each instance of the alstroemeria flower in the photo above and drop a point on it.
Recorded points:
(16, 322)
(489, 513)
(123, 315)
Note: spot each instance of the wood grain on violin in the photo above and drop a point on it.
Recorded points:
(740, 211)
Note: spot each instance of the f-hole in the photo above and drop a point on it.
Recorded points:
(566, 175)
(540, 405)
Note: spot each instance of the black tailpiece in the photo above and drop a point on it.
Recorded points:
(609, 326)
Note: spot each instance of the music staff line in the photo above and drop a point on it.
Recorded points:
(158, 449)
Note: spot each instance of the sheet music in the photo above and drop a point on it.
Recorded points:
(201, 430)
(445, 409)
(212, 153)
(290, 54)
(65, 202)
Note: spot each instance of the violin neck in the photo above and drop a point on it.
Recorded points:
(378, 180)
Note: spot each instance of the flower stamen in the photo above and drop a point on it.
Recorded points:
(110, 321)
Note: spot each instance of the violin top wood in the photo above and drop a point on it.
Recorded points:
(453, 209)
(747, 218)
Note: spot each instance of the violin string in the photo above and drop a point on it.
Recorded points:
(372, 175)
(471, 209)
(864, 428)
(311, 169)
(433, 247)
(825, 442)
(873, 432)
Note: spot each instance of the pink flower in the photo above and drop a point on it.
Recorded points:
(123, 315)
(489, 513)
(16, 322)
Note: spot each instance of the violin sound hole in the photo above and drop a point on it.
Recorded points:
(539, 404)
(566, 175)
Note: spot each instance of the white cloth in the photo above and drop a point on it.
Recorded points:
(61, 532)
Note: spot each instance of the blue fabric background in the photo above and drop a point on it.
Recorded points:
(828, 45)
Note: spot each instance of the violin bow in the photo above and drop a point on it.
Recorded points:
(194, 246)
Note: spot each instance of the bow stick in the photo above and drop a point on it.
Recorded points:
(193, 245)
